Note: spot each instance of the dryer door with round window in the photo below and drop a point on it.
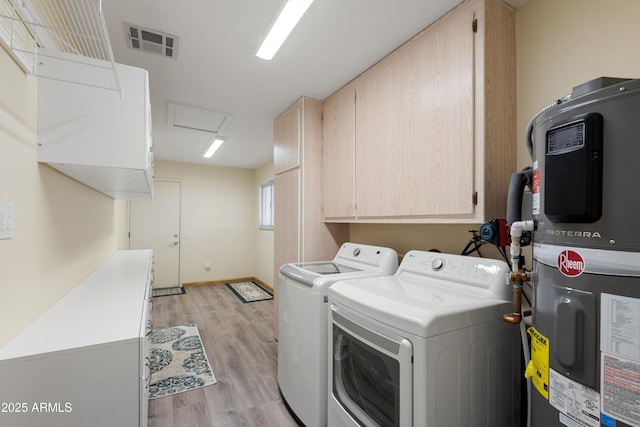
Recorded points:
(371, 370)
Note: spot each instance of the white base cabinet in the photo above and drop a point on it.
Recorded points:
(85, 361)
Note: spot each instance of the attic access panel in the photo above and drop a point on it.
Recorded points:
(151, 41)
(200, 119)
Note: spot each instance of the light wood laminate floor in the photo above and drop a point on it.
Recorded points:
(238, 340)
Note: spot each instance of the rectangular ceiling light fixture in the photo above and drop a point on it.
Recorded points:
(217, 142)
(282, 27)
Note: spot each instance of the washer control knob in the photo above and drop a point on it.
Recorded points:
(356, 252)
(437, 264)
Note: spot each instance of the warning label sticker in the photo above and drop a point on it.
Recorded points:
(535, 189)
(538, 368)
(620, 380)
(577, 402)
(620, 326)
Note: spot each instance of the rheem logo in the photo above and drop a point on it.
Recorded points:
(570, 263)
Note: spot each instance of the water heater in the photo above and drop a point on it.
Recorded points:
(585, 332)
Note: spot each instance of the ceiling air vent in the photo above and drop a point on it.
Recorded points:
(152, 41)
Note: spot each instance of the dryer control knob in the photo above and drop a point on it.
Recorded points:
(437, 264)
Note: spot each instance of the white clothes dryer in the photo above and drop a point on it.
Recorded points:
(425, 347)
(303, 321)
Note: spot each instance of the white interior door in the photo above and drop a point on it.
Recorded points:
(155, 224)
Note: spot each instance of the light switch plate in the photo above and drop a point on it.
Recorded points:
(6, 220)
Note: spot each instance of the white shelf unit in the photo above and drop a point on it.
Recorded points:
(85, 361)
(98, 137)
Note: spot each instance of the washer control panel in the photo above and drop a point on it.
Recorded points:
(372, 256)
(489, 275)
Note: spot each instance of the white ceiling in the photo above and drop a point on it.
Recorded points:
(216, 68)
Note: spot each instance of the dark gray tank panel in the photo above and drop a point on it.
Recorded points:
(619, 106)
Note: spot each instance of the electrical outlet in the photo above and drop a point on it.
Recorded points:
(207, 265)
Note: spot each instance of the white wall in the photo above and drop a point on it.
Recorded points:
(219, 212)
(63, 229)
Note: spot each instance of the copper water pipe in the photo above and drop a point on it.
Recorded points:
(518, 278)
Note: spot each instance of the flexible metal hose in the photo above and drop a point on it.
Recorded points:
(529, 131)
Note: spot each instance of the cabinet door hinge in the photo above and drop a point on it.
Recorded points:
(474, 198)
(474, 25)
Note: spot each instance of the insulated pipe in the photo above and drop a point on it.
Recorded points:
(514, 197)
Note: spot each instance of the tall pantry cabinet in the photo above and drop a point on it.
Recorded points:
(300, 233)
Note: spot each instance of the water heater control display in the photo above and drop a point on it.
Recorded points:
(573, 170)
(566, 139)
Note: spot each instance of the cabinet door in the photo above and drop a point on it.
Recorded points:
(339, 154)
(379, 144)
(287, 217)
(286, 226)
(438, 119)
(286, 138)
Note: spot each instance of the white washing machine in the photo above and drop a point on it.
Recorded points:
(303, 320)
(425, 347)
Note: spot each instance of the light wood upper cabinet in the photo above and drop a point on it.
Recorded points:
(379, 142)
(434, 125)
(437, 131)
(286, 138)
(339, 153)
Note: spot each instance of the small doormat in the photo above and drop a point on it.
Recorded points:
(165, 292)
(178, 361)
(249, 291)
